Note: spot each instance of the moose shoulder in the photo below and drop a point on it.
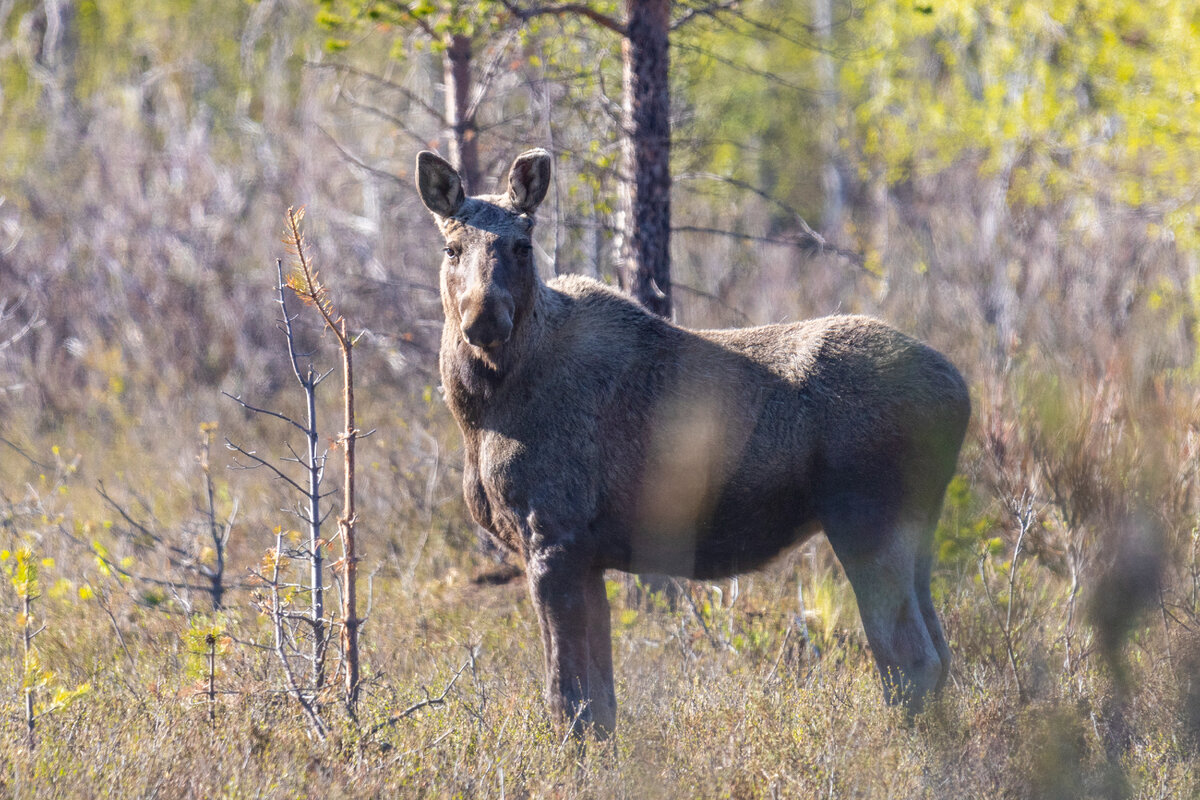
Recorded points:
(599, 436)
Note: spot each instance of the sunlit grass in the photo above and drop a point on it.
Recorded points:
(741, 711)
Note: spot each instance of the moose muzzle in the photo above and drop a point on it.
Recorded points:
(487, 322)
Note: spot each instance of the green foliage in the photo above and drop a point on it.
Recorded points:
(1065, 98)
(965, 527)
(432, 23)
(38, 679)
(751, 95)
(203, 640)
(22, 568)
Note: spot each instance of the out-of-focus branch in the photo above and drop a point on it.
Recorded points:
(524, 14)
(710, 10)
(381, 81)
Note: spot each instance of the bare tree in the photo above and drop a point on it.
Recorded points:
(305, 282)
(310, 511)
(195, 552)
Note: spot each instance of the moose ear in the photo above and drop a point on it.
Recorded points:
(438, 184)
(528, 180)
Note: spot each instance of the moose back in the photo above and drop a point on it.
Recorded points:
(599, 436)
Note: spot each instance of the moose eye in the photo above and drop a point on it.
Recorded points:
(451, 253)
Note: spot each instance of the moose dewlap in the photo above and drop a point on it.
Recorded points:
(599, 436)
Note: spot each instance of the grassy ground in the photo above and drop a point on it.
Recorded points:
(718, 698)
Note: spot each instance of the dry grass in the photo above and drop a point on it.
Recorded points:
(697, 719)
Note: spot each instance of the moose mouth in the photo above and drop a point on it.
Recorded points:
(491, 351)
(490, 355)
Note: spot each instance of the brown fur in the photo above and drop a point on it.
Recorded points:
(598, 436)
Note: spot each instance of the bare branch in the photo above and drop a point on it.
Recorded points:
(125, 515)
(277, 617)
(785, 28)
(744, 68)
(428, 701)
(710, 10)
(25, 455)
(288, 319)
(31, 324)
(807, 237)
(265, 411)
(397, 121)
(358, 162)
(713, 298)
(489, 74)
(413, 98)
(565, 10)
(261, 462)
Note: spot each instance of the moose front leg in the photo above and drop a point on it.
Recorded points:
(600, 664)
(573, 613)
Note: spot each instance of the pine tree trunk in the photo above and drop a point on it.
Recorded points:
(645, 210)
(464, 152)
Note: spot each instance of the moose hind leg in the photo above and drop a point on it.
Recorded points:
(933, 625)
(884, 582)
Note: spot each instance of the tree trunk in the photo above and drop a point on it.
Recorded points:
(346, 525)
(645, 197)
(316, 575)
(464, 153)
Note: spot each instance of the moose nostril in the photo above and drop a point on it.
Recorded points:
(485, 332)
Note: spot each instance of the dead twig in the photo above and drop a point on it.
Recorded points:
(426, 703)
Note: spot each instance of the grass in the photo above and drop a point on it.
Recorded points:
(697, 718)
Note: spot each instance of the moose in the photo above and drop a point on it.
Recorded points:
(599, 436)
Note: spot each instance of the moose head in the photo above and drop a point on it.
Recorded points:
(488, 278)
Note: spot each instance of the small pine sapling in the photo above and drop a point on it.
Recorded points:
(278, 602)
(305, 282)
(291, 625)
(23, 568)
(206, 640)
